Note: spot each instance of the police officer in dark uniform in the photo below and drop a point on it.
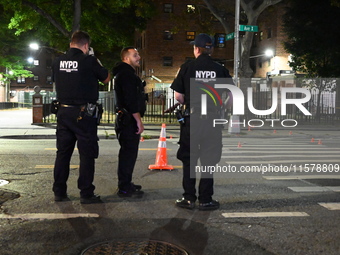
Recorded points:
(76, 75)
(202, 141)
(130, 107)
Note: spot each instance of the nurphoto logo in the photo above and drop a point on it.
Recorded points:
(297, 97)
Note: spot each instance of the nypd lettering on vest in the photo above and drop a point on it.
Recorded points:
(68, 66)
(205, 74)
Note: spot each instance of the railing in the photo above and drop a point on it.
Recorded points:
(155, 108)
(328, 112)
(158, 102)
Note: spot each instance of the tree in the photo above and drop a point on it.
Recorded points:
(11, 50)
(313, 39)
(252, 10)
(111, 24)
(314, 42)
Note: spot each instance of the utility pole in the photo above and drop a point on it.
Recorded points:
(237, 42)
(235, 128)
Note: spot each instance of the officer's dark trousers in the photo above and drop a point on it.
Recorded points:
(129, 143)
(70, 131)
(204, 143)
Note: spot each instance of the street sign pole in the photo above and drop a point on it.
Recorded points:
(237, 41)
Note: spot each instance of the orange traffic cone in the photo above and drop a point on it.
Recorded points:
(161, 157)
(142, 139)
(320, 142)
(239, 145)
(274, 131)
(312, 141)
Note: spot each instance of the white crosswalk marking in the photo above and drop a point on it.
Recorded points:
(285, 151)
(331, 206)
(263, 214)
(314, 189)
(312, 162)
(48, 216)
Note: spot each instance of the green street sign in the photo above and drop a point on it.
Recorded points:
(230, 36)
(248, 28)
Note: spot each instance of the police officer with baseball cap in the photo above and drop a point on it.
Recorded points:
(76, 75)
(202, 141)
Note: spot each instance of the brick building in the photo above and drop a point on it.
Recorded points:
(20, 90)
(163, 49)
(270, 36)
(164, 46)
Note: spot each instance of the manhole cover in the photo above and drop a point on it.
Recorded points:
(140, 247)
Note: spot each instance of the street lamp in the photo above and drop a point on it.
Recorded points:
(267, 53)
(30, 60)
(34, 46)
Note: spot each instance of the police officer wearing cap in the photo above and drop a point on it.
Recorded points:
(76, 75)
(202, 141)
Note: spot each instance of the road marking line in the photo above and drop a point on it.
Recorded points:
(313, 189)
(52, 166)
(289, 162)
(48, 216)
(331, 206)
(283, 156)
(334, 188)
(54, 149)
(298, 177)
(280, 146)
(150, 149)
(264, 214)
(302, 151)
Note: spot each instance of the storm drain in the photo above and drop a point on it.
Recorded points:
(139, 247)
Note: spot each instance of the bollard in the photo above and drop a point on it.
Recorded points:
(37, 106)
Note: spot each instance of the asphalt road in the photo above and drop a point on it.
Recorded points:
(294, 211)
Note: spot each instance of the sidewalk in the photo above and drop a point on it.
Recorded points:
(17, 123)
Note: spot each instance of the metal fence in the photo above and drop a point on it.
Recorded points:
(325, 111)
(157, 104)
(159, 101)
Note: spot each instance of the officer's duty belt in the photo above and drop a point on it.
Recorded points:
(70, 105)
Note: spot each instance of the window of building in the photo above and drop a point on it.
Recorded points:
(220, 40)
(190, 35)
(191, 8)
(167, 61)
(168, 8)
(36, 62)
(261, 36)
(167, 35)
(21, 80)
(269, 33)
(36, 78)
